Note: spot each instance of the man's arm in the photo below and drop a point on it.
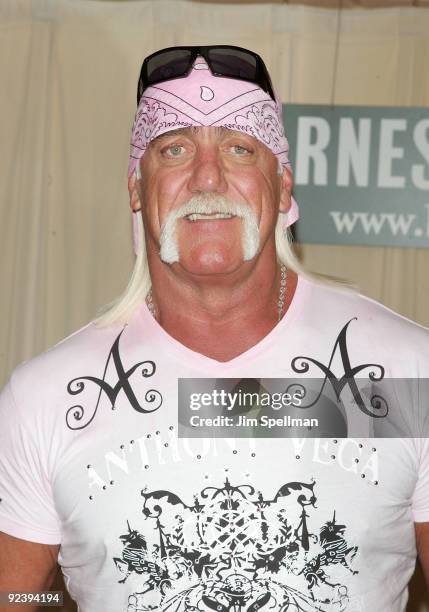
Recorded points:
(26, 566)
(422, 541)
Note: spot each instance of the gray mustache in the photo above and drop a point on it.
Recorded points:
(213, 203)
(209, 203)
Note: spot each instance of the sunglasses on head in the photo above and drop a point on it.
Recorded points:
(223, 60)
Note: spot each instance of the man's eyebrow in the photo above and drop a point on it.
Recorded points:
(170, 133)
(192, 128)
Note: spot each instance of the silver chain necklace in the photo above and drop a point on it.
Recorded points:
(280, 301)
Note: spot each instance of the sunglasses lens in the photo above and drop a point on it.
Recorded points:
(168, 65)
(223, 61)
(233, 63)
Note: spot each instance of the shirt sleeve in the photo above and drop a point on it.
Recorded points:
(27, 509)
(420, 499)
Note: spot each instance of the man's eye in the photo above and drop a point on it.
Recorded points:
(173, 150)
(240, 150)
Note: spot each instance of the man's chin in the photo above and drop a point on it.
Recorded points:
(213, 261)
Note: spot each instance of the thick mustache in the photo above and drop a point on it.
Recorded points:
(210, 204)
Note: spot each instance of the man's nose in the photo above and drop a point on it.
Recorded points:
(207, 172)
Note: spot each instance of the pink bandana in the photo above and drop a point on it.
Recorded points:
(202, 99)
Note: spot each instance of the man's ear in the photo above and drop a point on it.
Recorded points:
(286, 191)
(135, 203)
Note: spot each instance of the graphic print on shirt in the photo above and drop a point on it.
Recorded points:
(152, 397)
(234, 550)
(377, 407)
(76, 418)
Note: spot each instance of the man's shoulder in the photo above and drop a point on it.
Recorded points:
(73, 355)
(335, 302)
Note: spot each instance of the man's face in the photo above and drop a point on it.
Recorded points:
(210, 197)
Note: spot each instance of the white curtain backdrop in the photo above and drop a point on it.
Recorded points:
(68, 74)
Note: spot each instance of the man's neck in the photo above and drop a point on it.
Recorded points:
(221, 320)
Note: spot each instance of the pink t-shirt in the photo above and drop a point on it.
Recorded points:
(90, 459)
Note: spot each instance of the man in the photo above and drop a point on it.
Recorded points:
(94, 470)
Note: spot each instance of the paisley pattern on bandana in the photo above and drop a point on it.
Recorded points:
(151, 120)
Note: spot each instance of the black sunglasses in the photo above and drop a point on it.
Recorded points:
(223, 60)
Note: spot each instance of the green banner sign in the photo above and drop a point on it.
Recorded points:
(361, 174)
